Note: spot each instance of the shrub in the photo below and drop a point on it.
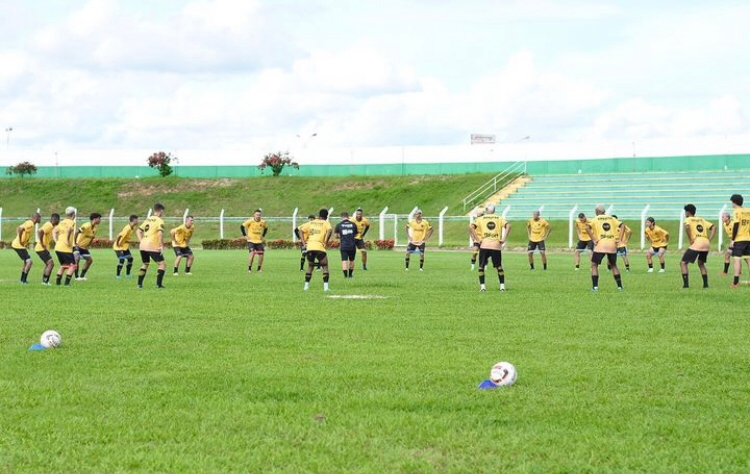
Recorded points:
(161, 161)
(386, 244)
(277, 162)
(21, 169)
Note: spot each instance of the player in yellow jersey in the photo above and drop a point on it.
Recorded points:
(83, 237)
(255, 230)
(585, 244)
(603, 230)
(303, 248)
(726, 221)
(122, 247)
(740, 236)
(63, 237)
(151, 236)
(181, 244)
(21, 242)
(314, 236)
(623, 237)
(538, 230)
(419, 232)
(491, 231)
(363, 225)
(659, 239)
(43, 245)
(700, 233)
(475, 243)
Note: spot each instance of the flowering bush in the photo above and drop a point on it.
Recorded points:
(386, 244)
(21, 169)
(241, 243)
(161, 161)
(107, 244)
(277, 162)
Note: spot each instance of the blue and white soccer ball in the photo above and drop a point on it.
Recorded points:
(50, 339)
(503, 374)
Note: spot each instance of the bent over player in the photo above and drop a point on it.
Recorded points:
(491, 231)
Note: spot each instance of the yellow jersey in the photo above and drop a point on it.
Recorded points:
(318, 232)
(623, 236)
(698, 228)
(537, 229)
(22, 241)
(361, 226)
(182, 236)
(742, 217)
(418, 230)
(254, 230)
(64, 230)
(605, 228)
(124, 237)
(46, 242)
(581, 226)
(489, 227)
(153, 230)
(728, 228)
(86, 234)
(658, 236)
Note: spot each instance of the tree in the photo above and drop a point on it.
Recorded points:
(277, 162)
(21, 169)
(161, 161)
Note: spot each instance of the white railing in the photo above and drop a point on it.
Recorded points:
(721, 227)
(496, 183)
(571, 225)
(644, 213)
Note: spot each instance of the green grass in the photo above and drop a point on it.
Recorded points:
(229, 372)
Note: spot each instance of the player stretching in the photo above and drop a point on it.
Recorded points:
(585, 244)
(181, 244)
(302, 248)
(538, 230)
(419, 232)
(43, 244)
(255, 230)
(151, 235)
(697, 230)
(345, 232)
(21, 242)
(122, 247)
(84, 236)
(315, 235)
(603, 230)
(659, 239)
(488, 230)
(63, 237)
(363, 225)
(475, 243)
(740, 236)
(623, 237)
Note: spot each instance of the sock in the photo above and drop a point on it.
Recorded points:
(578, 266)
(76, 272)
(45, 278)
(258, 267)
(618, 280)
(531, 266)
(83, 273)
(24, 275)
(705, 280)
(346, 274)
(726, 267)
(141, 276)
(501, 277)
(595, 281)
(302, 263)
(58, 280)
(406, 261)
(249, 268)
(662, 265)
(481, 276)
(627, 267)
(67, 279)
(176, 270)
(187, 269)
(130, 265)
(736, 280)
(308, 276)
(685, 280)
(119, 269)
(160, 277)
(544, 265)
(351, 270)
(421, 263)
(650, 265)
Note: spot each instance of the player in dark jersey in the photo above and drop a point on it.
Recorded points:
(346, 232)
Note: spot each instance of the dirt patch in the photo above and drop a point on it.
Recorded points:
(136, 188)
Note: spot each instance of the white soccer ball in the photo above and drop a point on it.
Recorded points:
(503, 374)
(50, 339)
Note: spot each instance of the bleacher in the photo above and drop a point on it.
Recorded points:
(665, 192)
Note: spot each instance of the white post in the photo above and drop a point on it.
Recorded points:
(294, 223)
(395, 229)
(36, 226)
(381, 230)
(721, 225)
(111, 224)
(644, 213)
(148, 214)
(571, 225)
(505, 216)
(541, 209)
(411, 214)
(185, 214)
(472, 216)
(221, 224)
(330, 213)
(1, 223)
(682, 230)
(610, 209)
(440, 225)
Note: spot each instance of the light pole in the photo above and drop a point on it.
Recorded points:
(7, 137)
(306, 140)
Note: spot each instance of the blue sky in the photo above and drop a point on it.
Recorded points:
(227, 74)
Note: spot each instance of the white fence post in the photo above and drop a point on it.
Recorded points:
(148, 214)
(472, 216)
(721, 225)
(505, 216)
(682, 230)
(185, 214)
(644, 213)
(440, 225)
(381, 230)
(571, 225)
(221, 225)
(395, 229)
(36, 226)
(111, 224)
(330, 213)
(610, 209)
(294, 224)
(1, 223)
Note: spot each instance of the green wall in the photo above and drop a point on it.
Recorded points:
(606, 165)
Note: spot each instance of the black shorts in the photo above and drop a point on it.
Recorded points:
(585, 245)
(741, 249)
(597, 258)
(82, 253)
(23, 253)
(691, 255)
(182, 252)
(411, 248)
(360, 243)
(123, 254)
(319, 255)
(655, 250)
(485, 255)
(44, 255)
(622, 251)
(476, 245)
(147, 256)
(252, 247)
(537, 245)
(65, 258)
(348, 254)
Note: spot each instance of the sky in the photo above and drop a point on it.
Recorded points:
(228, 74)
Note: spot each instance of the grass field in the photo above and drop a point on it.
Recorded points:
(227, 371)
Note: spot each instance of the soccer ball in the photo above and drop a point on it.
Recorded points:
(50, 339)
(503, 374)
